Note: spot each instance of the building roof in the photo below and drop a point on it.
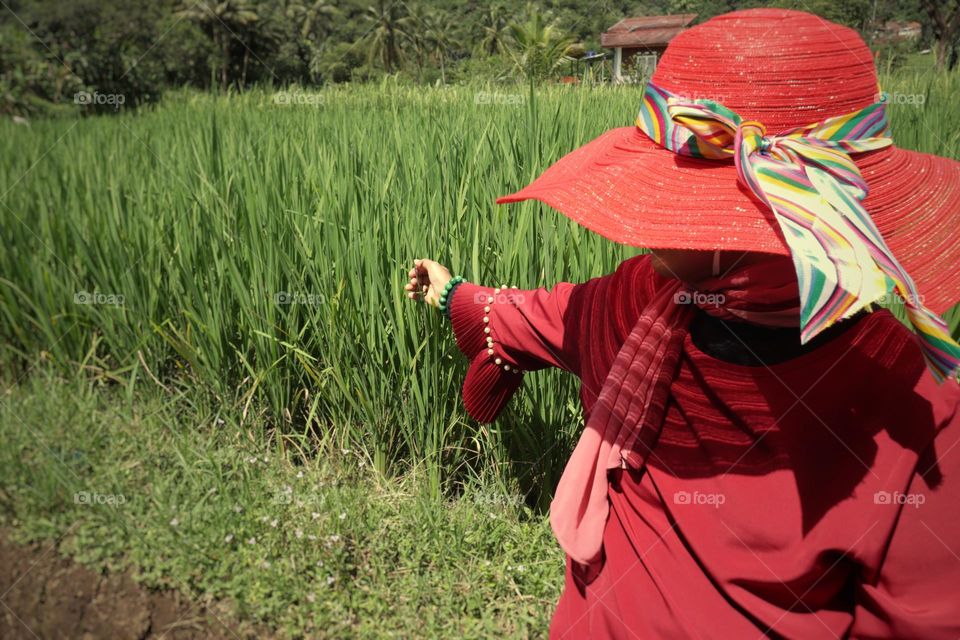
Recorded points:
(646, 31)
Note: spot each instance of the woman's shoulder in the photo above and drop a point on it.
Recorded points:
(638, 269)
(610, 304)
(633, 280)
(885, 357)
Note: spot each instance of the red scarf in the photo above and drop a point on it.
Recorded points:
(625, 421)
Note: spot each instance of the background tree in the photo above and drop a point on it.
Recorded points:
(493, 29)
(539, 45)
(944, 18)
(222, 21)
(388, 23)
(439, 38)
(139, 48)
(317, 19)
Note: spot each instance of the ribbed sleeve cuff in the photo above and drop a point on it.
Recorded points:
(488, 385)
(466, 316)
(488, 388)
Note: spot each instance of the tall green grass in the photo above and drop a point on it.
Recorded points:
(198, 215)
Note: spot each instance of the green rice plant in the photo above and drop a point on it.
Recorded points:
(253, 247)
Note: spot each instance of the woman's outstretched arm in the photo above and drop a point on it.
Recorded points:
(504, 331)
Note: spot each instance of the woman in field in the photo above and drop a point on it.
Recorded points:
(765, 452)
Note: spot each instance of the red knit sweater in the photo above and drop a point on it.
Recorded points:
(811, 498)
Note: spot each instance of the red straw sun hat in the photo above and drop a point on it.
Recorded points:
(784, 69)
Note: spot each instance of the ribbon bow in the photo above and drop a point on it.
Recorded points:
(807, 178)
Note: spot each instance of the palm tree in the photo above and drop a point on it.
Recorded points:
(388, 28)
(220, 21)
(539, 47)
(439, 30)
(320, 11)
(493, 26)
(429, 33)
(416, 34)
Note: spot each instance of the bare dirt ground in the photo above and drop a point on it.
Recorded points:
(44, 595)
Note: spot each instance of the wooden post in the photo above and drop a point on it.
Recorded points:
(617, 59)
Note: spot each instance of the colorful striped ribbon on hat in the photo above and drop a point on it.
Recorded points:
(807, 178)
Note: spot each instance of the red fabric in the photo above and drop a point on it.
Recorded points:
(631, 403)
(773, 500)
(634, 396)
(521, 344)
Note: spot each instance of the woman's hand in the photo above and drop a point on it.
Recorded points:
(427, 280)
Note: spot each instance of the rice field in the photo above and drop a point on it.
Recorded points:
(253, 248)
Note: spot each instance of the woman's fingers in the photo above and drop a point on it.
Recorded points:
(426, 278)
(418, 282)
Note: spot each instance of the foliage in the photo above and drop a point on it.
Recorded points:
(31, 83)
(138, 48)
(83, 50)
(387, 26)
(539, 45)
(944, 20)
(255, 246)
(314, 546)
(893, 55)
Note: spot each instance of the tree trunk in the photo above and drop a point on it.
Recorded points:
(946, 27)
(940, 53)
(224, 60)
(391, 58)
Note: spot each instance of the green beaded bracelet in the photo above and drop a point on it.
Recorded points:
(454, 281)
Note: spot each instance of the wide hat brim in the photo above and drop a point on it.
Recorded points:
(630, 190)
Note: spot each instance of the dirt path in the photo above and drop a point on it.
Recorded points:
(44, 595)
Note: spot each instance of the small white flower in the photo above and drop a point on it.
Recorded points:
(311, 598)
(252, 541)
(274, 522)
(174, 523)
(229, 538)
(311, 537)
(298, 533)
(299, 474)
(252, 460)
(331, 540)
(319, 563)
(521, 568)
(315, 515)
(266, 459)
(343, 516)
(264, 565)
(330, 580)
(237, 509)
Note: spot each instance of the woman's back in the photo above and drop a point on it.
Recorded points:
(787, 496)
